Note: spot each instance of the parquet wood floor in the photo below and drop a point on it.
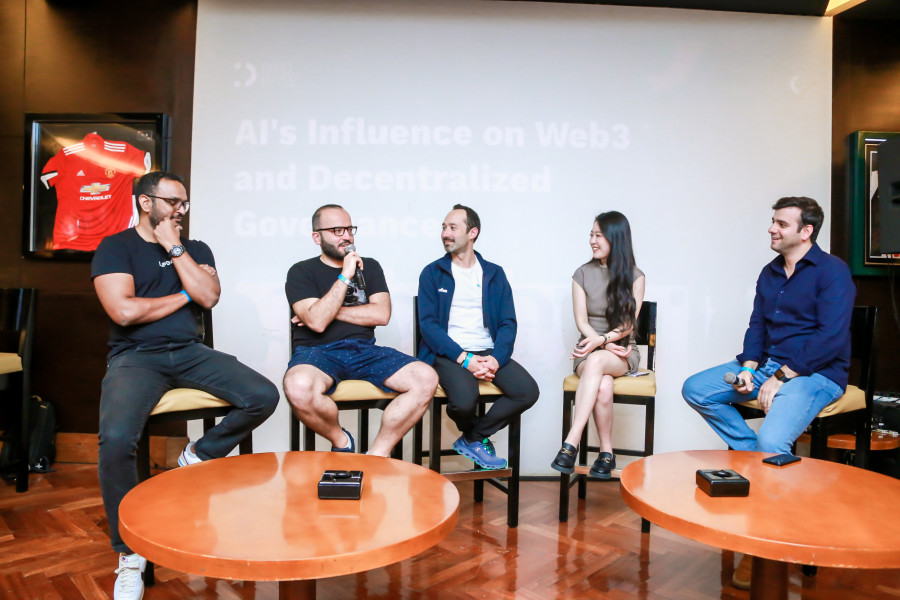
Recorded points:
(54, 546)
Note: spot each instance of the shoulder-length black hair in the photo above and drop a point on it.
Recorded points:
(620, 301)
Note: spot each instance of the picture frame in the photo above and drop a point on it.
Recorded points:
(79, 172)
(863, 187)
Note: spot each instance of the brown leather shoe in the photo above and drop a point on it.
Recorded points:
(743, 573)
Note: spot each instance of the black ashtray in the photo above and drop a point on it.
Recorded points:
(340, 485)
(722, 482)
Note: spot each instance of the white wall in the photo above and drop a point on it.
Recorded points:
(692, 123)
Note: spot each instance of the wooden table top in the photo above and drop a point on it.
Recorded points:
(811, 512)
(258, 516)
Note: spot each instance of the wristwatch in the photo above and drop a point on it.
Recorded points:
(176, 251)
(780, 376)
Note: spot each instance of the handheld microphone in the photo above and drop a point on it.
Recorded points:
(732, 379)
(358, 277)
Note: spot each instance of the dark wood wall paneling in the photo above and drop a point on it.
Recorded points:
(866, 97)
(83, 57)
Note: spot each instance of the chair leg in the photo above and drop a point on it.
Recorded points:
(434, 444)
(563, 478)
(22, 421)
(363, 424)
(479, 483)
(295, 432)
(514, 453)
(149, 575)
(309, 439)
(417, 442)
(143, 455)
(582, 461)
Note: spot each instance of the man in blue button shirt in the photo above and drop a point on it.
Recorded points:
(797, 347)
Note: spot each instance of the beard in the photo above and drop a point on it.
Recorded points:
(332, 251)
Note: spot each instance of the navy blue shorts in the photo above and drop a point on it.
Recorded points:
(352, 359)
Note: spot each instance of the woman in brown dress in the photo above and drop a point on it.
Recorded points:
(607, 293)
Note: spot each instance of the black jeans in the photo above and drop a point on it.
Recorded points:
(520, 392)
(135, 381)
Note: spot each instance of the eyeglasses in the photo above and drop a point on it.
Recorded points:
(175, 203)
(339, 231)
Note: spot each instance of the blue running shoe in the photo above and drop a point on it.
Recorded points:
(481, 452)
(352, 447)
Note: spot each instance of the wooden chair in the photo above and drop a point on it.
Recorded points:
(350, 394)
(640, 391)
(487, 393)
(184, 404)
(17, 309)
(852, 412)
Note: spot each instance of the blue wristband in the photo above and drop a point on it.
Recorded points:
(342, 278)
(752, 370)
(186, 295)
(465, 364)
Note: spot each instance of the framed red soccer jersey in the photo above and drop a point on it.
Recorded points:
(93, 181)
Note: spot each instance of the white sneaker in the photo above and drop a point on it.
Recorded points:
(187, 456)
(130, 582)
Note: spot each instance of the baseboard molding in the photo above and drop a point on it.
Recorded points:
(82, 448)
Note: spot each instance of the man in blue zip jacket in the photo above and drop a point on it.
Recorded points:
(467, 325)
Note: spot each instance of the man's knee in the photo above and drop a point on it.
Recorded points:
(300, 388)
(265, 398)
(117, 443)
(766, 442)
(424, 380)
(690, 391)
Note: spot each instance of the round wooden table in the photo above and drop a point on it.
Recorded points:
(812, 512)
(258, 517)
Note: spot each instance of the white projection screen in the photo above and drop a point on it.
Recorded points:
(539, 116)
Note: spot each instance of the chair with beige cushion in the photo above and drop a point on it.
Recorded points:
(351, 394)
(852, 412)
(17, 308)
(187, 404)
(640, 391)
(487, 393)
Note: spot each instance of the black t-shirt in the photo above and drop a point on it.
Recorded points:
(312, 279)
(154, 277)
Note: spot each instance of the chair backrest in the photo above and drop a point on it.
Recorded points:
(862, 347)
(645, 331)
(204, 320)
(17, 308)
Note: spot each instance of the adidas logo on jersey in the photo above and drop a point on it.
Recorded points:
(80, 173)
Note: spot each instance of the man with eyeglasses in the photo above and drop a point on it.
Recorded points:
(335, 311)
(152, 283)
(467, 322)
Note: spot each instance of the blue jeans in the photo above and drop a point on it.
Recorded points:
(135, 381)
(794, 407)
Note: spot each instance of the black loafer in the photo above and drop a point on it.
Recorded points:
(565, 459)
(603, 466)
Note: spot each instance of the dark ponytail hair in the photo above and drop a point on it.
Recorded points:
(619, 293)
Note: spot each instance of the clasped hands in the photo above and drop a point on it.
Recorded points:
(483, 367)
(592, 342)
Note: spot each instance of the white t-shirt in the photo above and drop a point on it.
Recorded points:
(466, 326)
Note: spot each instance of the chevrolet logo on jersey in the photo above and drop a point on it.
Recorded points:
(94, 188)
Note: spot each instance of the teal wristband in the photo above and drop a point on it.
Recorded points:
(342, 278)
(752, 371)
(186, 295)
(465, 364)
